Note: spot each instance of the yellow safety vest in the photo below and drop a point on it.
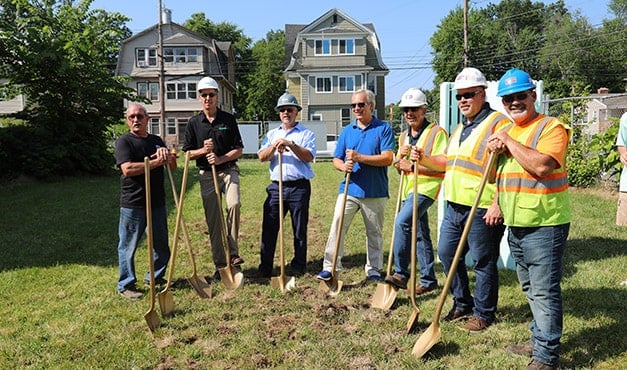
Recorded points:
(464, 163)
(433, 140)
(528, 201)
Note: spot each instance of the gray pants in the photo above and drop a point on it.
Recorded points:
(228, 183)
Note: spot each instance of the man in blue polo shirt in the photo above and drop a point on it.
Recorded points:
(365, 148)
(297, 145)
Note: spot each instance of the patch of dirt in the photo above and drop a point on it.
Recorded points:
(165, 341)
(261, 361)
(361, 363)
(167, 363)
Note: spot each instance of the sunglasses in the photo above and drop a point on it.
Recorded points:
(138, 116)
(360, 105)
(467, 95)
(211, 95)
(511, 97)
(288, 110)
(411, 109)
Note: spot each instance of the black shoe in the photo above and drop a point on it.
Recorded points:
(456, 315)
(216, 277)
(264, 272)
(158, 282)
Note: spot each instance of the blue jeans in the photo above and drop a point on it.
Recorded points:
(131, 228)
(296, 195)
(483, 244)
(424, 246)
(538, 253)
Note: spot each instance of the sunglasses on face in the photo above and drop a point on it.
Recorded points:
(519, 97)
(467, 95)
(211, 95)
(360, 105)
(411, 109)
(288, 110)
(133, 116)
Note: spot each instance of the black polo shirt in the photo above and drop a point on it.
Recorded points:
(223, 131)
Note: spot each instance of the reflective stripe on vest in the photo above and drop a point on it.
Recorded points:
(428, 183)
(526, 201)
(473, 163)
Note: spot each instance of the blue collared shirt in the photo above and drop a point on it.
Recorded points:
(293, 167)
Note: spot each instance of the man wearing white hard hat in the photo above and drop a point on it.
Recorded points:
(421, 147)
(532, 185)
(213, 139)
(465, 158)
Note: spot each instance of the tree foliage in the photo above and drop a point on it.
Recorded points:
(60, 57)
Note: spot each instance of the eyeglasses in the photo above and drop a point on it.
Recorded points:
(138, 116)
(467, 95)
(211, 95)
(360, 105)
(511, 97)
(288, 110)
(411, 109)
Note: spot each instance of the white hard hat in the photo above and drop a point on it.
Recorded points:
(207, 83)
(469, 77)
(413, 98)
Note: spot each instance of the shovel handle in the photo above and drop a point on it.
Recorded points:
(149, 236)
(340, 224)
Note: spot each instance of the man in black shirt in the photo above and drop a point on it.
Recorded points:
(130, 150)
(213, 138)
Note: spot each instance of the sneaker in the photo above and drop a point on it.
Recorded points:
(374, 278)
(324, 275)
(397, 280)
(216, 277)
(537, 365)
(456, 315)
(475, 325)
(422, 289)
(236, 260)
(520, 349)
(131, 293)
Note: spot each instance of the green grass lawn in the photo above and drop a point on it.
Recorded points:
(60, 309)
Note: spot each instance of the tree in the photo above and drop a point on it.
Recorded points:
(265, 82)
(60, 57)
(226, 31)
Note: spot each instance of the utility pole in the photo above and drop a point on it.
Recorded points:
(465, 33)
(161, 75)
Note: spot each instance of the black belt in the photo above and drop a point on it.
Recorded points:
(293, 182)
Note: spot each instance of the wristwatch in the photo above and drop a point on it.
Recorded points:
(292, 143)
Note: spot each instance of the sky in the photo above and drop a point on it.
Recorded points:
(403, 26)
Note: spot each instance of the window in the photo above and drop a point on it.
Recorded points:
(346, 116)
(154, 126)
(322, 47)
(346, 47)
(347, 84)
(180, 90)
(180, 55)
(146, 57)
(323, 84)
(316, 117)
(148, 90)
(170, 126)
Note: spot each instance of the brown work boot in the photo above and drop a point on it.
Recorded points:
(537, 365)
(397, 280)
(520, 349)
(475, 325)
(422, 289)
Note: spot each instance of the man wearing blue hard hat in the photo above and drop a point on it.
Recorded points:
(532, 187)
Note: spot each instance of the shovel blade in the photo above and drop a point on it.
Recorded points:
(203, 289)
(413, 319)
(279, 282)
(152, 319)
(166, 302)
(384, 296)
(430, 337)
(230, 278)
(331, 287)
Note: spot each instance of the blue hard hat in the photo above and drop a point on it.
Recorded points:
(514, 81)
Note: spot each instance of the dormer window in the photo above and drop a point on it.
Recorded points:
(146, 57)
(323, 47)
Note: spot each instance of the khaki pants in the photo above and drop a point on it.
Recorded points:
(621, 209)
